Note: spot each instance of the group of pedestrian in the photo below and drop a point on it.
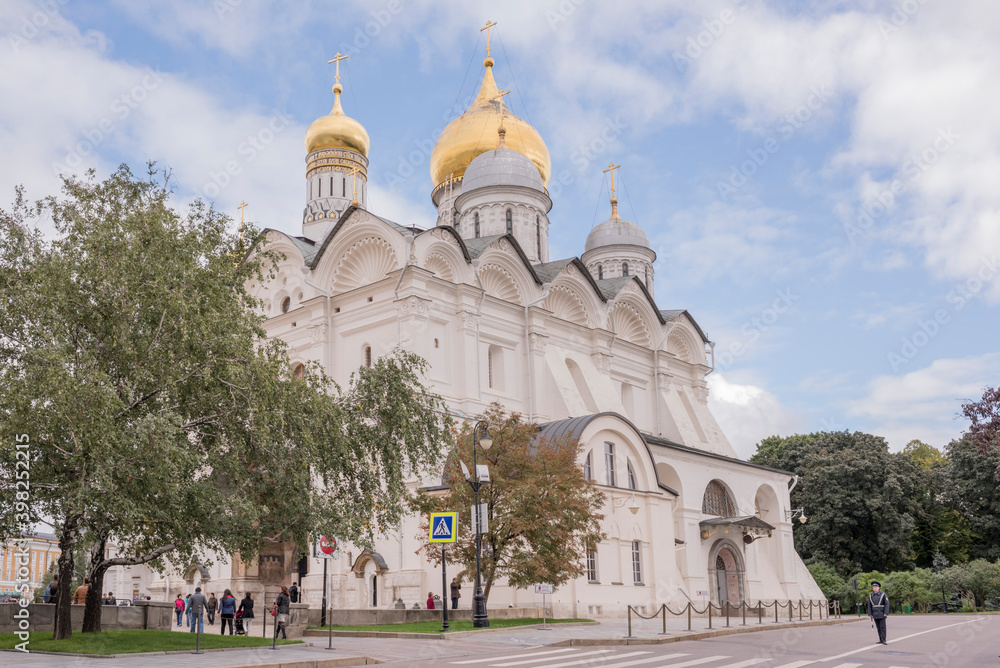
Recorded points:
(456, 593)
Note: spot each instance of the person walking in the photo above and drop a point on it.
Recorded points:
(187, 610)
(197, 604)
(246, 608)
(430, 600)
(227, 610)
(179, 608)
(878, 610)
(293, 593)
(282, 606)
(80, 595)
(456, 593)
(211, 607)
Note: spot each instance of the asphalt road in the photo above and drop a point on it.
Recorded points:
(960, 641)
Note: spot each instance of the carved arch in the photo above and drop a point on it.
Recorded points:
(366, 262)
(629, 325)
(499, 283)
(565, 303)
(440, 266)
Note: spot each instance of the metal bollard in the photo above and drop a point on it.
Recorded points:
(760, 612)
(663, 611)
(744, 606)
(689, 615)
(709, 614)
(775, 611)
(629, 622)
(727, 614)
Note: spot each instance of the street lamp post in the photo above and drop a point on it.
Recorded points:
(480, 620)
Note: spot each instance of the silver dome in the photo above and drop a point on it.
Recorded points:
(501, 167)
(615, 231)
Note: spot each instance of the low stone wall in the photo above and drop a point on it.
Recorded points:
(146, 614)
(372, 617)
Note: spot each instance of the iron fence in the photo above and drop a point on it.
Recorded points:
(726, 610)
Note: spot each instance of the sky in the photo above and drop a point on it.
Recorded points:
(819, 180)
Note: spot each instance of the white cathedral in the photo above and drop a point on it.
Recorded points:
(577, 345)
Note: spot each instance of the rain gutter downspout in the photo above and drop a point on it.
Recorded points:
(399, 281)
(711, 344)
(479, 309)
(656, 373)
(329, 320)
(527, 350)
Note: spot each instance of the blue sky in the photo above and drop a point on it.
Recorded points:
(818, 179)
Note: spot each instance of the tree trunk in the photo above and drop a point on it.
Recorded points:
(63, 623)
(94, 603)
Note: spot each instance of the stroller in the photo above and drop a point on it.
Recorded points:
(240, 631)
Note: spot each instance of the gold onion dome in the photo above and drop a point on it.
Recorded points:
(337, 130)
(474, 133)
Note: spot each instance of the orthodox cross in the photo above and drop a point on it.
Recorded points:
(337, 59)
(489, 24)
(611, 168)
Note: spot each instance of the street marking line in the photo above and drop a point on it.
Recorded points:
(520, 656)
(588, 661)
(796, 664)
(692, 662)
(848, 665)
(745, 664)
(912, 635)
(521, 663)
(648, 659)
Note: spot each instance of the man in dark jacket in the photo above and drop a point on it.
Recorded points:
(293, 593)
(456, 593)
(211, 607)
(878, 609)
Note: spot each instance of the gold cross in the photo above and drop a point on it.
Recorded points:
(611, 168)
(337, 59)
(489, 24)
(242, 206)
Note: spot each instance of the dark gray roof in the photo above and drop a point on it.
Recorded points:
(610, 287)
(478, 245)
(574, 426)
(306, 246)
(673, 314)
(548, 271)
(658, 440)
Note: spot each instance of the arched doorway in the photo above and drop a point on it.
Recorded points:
(726, 574)
(374, 591)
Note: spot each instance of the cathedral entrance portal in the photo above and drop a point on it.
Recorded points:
(726, 574)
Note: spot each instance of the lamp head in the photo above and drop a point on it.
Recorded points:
(486, 441)
(802, 519)
(634, 506)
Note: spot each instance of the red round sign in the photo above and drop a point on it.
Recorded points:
(328, 545)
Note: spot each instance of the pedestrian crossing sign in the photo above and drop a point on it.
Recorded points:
(442, 527)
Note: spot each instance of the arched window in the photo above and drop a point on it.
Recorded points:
(477, 225)
(510, 222)
(717, 501)
(286, 304)
(538, 238)
(454, 221)
(624, 268)
(600, 272)
(299, 372)
(368, 356)
(588, 467)
(631, 474)
(609, 464)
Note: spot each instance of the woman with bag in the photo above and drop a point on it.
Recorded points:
(227, 610)
(280, 610)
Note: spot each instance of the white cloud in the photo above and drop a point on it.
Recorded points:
(748, 414)
(926, 404)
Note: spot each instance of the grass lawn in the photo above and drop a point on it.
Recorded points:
(460, 625)
(127, 642)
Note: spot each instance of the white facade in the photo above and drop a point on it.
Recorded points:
(499, 322)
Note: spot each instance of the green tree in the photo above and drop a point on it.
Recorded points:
(937, 526)
(829, 581)
(913, 588)
(977, 580)
(158, 412)
(984, 418)
(542, 511)
(973, 491)
(858, 496)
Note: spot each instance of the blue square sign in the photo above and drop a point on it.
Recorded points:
(442, 527)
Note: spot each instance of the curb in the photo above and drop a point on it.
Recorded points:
(697, 635)
(319, 633)
(157, 653)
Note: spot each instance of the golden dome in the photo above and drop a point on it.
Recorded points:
(474, 132)
(337, 130)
